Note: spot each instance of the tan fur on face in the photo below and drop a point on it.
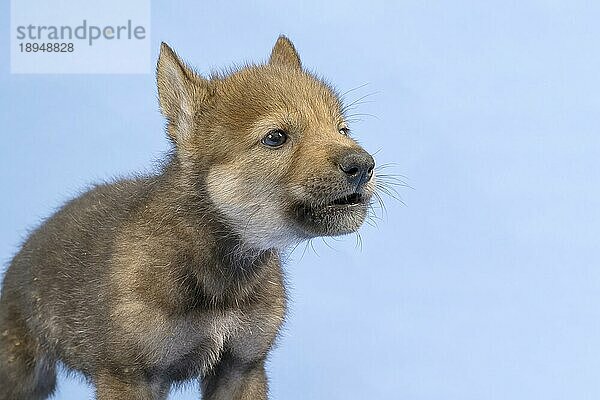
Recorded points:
(218, 123)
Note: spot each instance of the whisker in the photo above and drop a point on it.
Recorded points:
(313, 247)
(389, 165)
(390, 191)
(353, 89)
(359, 243)
(327, 244)
(350, 116)
(370, 222)
(391, 194)
(347, 107)
(381, 204)
(305, 249)
(393, 184)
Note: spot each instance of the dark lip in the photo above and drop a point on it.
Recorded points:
(348, 200)
(337, 215)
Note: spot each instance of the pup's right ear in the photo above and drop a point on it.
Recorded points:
(179, 91)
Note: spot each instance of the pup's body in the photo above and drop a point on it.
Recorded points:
(146, 282)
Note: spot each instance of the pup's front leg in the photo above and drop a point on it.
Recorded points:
(110, 388)
(233, 379)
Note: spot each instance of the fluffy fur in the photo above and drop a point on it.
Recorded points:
(146, 282)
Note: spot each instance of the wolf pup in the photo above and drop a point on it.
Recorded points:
(146, 282)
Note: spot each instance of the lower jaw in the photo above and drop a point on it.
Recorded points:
(332, 220)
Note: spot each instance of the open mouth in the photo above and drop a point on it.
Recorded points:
(334, 216)
(340, 216)
(348, 200)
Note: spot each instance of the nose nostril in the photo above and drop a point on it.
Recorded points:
(358, 166)
(352, 171)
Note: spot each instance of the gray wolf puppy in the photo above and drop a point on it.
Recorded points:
(142, 283)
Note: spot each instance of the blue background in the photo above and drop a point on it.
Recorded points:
(486, 285)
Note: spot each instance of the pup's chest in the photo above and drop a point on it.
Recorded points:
(196, 343)
(191, 345)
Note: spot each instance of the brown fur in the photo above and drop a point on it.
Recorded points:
(146, 282)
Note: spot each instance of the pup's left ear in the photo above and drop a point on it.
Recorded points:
(284, 53)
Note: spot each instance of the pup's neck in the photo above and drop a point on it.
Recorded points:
(225, 267)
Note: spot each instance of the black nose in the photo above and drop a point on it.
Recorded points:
(358, 166)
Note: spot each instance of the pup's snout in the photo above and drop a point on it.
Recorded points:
(358, 166)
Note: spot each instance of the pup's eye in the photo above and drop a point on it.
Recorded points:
(345, 131)
(275, 138)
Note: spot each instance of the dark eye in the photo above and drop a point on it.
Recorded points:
(275, 138)
(345, 131)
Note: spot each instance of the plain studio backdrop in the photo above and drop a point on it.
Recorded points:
(485, 285)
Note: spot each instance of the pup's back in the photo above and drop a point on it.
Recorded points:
(58, 283)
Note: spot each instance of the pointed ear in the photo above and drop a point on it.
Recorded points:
(178, 87)
(284, 53)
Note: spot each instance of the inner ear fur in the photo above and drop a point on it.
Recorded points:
(180, 90)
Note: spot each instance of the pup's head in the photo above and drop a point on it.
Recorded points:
(271, 145)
